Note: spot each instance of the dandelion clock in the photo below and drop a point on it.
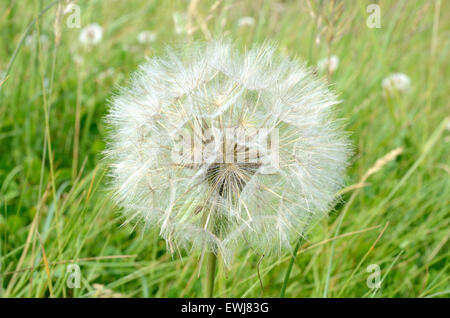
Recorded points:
(91, 35)
(223, 150)
(397, 83)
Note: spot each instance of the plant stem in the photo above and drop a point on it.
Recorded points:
(211, 273)
(289, 269)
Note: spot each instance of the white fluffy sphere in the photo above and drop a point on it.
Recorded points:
(298, 153)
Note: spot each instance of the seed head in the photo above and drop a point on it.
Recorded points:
(246, 21)
(146, 37)
(221, 149)
(329, 65)
(91, 35)
(396, 83)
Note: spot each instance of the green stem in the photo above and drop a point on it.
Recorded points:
(289, 269)
(211, 273)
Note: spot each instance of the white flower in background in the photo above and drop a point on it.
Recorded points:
(223, 200)
(30, 40)
(91, 35)
(246, 21)
(328, 65)
(146, 37)
(396, 83)
(180, 22)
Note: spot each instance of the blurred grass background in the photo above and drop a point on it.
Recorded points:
(54, 206)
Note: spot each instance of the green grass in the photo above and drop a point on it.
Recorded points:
(55, 207)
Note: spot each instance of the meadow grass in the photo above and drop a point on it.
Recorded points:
(56, 209)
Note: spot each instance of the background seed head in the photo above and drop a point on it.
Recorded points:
(91, 35)
(396, 83)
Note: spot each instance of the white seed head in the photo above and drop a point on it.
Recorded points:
(91, 35)
(329, 65)
(146, 37)
(267, 156)
(246, 21)
(396, 83)
(30, 40)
